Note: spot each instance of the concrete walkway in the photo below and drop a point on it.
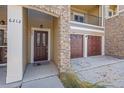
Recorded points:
(47, 82)
(3, 80)
(39, 71)
(41, 76)
(103, 70)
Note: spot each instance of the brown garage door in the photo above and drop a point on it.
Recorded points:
(76, 46)
(94, 45)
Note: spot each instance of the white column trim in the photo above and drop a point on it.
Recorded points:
(117, 9)
(106, 11)
(14, 43)
(85, 45)
(32, 41)
(103, 45)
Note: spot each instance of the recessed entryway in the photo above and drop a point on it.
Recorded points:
(41, 43)
(42, 36)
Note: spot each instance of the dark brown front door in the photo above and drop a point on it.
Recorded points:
(94, 45)
(40, 45)
(76, 46)
(3, 55)
(3, 50)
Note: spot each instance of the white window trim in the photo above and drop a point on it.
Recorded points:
(32, 41)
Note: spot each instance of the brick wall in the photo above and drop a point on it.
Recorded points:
(114, 36)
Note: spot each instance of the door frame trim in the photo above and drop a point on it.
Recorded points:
(32, 41)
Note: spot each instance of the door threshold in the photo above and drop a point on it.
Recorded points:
(41, 62)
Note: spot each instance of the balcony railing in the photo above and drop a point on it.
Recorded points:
(89, 19)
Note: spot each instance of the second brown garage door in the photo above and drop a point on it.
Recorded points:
(76, 46)
(94, 45)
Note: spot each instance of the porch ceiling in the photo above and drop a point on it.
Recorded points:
(114, 7)
(84, 7)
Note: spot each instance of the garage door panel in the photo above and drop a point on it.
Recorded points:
(94, 45)
(76, 46)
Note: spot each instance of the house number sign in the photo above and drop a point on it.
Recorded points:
(15, 20)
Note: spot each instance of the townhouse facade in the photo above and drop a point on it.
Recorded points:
(46, 33)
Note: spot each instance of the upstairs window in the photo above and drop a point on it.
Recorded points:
(110, 13)
(79, 18)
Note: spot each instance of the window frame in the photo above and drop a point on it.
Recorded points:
(110, 10)
(79, 16)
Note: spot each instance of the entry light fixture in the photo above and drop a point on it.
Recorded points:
(2, 22)
(41, 26)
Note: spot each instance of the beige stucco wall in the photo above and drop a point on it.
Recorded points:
(25, 38)
(56, 27)
(114, 36)
(94, 11)
(3, 13)
(73, 9)
(93, 17)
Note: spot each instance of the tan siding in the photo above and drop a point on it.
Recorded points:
(3, 13)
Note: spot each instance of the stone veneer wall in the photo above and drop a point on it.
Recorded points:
(63, 35)
(121, 7)
(114, 36)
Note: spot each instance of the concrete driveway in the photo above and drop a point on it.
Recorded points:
(103, 70)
